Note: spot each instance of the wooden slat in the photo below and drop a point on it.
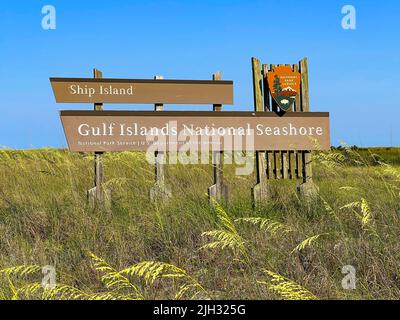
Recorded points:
(276, 155)
(270, 162)
(260, 190)
(267, 107)
(285, 157)
(305, 106)
(299, 161)
(284, 164)
(291, 163)
(297, 155)
(276, 166)
(307, 163)
(305, 100)
(297, 104)
(266, 92)
(274, 105)
(257, 85)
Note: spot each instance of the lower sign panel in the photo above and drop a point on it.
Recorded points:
(89, 131)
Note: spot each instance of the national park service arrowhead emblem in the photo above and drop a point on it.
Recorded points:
(284, 84)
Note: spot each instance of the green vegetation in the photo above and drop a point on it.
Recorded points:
(187, 249)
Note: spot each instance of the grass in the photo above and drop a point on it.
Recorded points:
(188, 249)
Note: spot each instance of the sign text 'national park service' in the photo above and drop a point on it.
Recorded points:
(88, 90)
(187, 131)
(284, 84)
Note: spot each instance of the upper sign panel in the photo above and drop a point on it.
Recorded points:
(81, 90)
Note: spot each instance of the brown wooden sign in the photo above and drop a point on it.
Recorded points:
(88, 131)
(82, 90)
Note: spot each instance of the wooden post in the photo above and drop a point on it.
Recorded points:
(218, 191)
(307, 189)
(260, 190)
(159, 191)
(98, 195)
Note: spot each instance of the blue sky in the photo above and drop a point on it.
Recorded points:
(355, 75)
